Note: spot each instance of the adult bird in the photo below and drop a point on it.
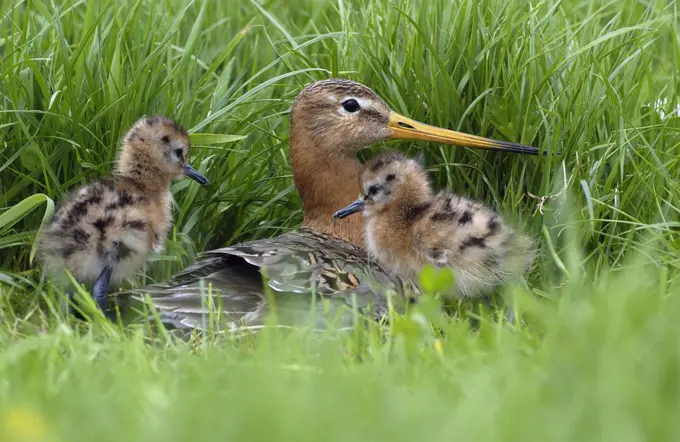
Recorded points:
(331, 121)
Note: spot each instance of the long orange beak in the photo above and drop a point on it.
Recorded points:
(407, 129)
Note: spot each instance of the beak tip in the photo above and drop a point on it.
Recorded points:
(356, 206)
(193, 174)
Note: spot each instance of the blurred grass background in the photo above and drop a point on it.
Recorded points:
(598, 81)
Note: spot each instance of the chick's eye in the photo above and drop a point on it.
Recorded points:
(390, 177)
(350, 105)
(373, 190)
(165, 139)
(179, 153)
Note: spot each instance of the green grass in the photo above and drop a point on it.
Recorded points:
(596, 80)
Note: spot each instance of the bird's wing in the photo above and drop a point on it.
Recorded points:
(291, 267)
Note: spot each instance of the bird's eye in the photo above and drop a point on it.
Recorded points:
(165, 139)
(373, 190)
(350, 105)
(179, 153)
(390, 177)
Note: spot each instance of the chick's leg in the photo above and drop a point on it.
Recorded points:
(101, 288)
(510, 314)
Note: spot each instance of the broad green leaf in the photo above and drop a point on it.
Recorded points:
(17, 212)
(193, 35)
(437, 280)
(206, 138)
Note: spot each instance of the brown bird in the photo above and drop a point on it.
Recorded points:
(106, 230)
(407, 228)
(331, 121)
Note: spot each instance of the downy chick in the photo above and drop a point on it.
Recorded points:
(106, 230)
(408, 227)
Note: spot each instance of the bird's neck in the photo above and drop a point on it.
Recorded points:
(148, 180)
(326, 182)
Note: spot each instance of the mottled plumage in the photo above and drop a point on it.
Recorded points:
(106, 230)
(331, 121)
(296, 264)
(407, 228)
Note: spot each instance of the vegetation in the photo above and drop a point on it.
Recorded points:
(596, 356)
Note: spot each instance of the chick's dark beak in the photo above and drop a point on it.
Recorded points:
(356, 206)
(192, 173)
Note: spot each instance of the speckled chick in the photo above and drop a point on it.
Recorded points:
(408, 227)
(105, 231)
